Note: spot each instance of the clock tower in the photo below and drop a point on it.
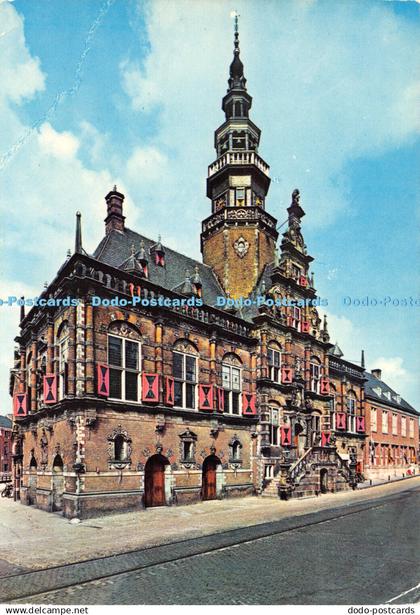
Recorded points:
(239, 237)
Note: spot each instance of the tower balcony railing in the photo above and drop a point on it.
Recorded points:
(238, 158)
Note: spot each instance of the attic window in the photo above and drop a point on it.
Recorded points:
(377, 390)
(388, 395)
(398, 399)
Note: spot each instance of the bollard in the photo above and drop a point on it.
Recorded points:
(370, 482)
(389, 478)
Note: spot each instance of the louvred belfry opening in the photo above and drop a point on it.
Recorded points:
(248, 404)
(20, 404)
(220, 399)
(169, 391)
(286, 436)
(341, 421)
(360, 424)
(205, 397)
(103, 380)
(50, 389)
(286, 375)
(325, 438)
(150, 388)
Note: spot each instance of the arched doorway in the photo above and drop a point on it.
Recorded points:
(57, 483)
(209, 488)
(32, 481)
(323, 480)
(154, 481)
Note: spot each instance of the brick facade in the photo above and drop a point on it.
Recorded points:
(151, 403)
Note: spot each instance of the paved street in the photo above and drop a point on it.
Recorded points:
(366, 552)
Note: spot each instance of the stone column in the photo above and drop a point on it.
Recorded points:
(90, 350)
(264, 357)
(50, 346)
(33, 376)
(71, 384)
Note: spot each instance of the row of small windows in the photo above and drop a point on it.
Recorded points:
(398, 427)
(124, 364)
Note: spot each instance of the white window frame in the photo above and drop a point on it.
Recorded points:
(229, 391)
(351, 413)
(184, 382)
(411, 429)
(296, 317)
(314, 380)
(274, 427)
(274, 370)
(123, 369)
(374, 419)
(394, 424)
(269, 471)
(384, 421)
(404, 426)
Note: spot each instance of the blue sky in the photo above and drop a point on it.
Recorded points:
(128, 92)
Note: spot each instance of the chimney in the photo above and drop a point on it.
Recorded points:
(115, 219)
(377, 373)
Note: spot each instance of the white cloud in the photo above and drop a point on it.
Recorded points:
(60, 144)
(147, 164)
(394, 373)
(20, 74)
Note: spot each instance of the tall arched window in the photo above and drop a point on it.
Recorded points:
(274, 362)
(314, 374)
(185, 374)
(124, 360)
(351, 408)
(232, 383)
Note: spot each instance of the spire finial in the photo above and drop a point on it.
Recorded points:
(133, 249)
(22, 308)
(78, 239)
(362, 363)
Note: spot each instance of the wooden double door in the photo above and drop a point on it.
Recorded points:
(209, 489)
(154, 481)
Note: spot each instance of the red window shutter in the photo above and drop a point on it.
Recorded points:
(150, 388)
(220, 398)
(20, 404)
(341, 420)
(102, 380)
(303, 281)
(305, 326)
(360, 423)
(286, 436)
(286, 374)
(50, 389)
(324, 386)
(169, 391)
(205, 397)
(325, 438)
(248, 404)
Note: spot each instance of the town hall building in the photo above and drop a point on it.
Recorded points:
(146, 404)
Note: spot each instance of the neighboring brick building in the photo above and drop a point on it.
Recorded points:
(144, 405)
(5, 446)
(392, 427)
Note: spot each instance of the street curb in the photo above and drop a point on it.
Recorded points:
(27, 584)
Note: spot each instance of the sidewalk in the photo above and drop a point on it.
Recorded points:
(33, 539)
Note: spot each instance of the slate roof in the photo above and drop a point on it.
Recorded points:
(373, 383)
(115, 249)
(5, 422)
